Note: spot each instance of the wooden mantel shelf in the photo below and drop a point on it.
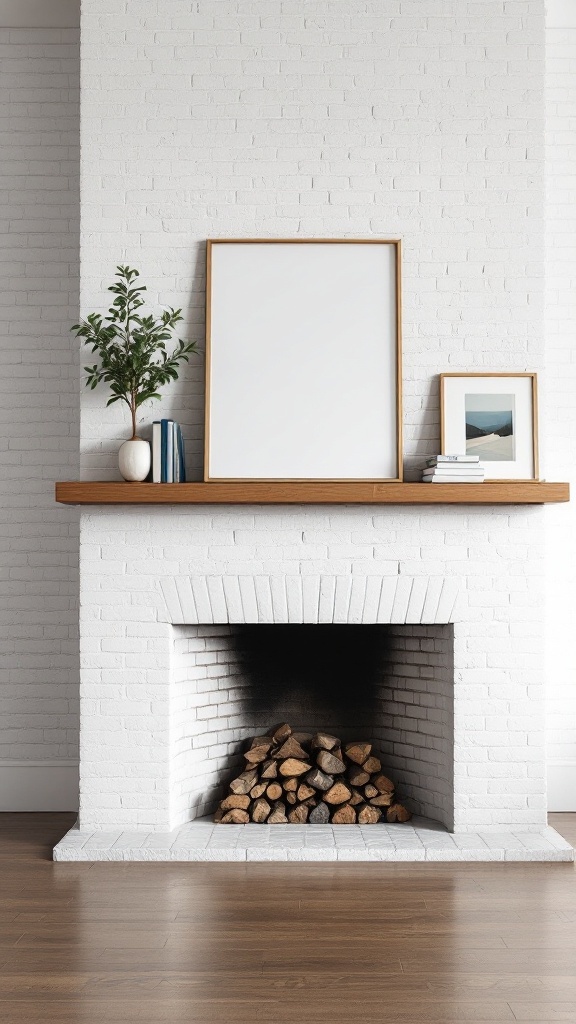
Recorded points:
(359, 493)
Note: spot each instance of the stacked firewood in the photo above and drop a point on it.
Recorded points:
(293, 777)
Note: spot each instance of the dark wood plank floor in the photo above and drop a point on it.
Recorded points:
(280, 944)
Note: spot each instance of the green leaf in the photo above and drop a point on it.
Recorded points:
(132, 346)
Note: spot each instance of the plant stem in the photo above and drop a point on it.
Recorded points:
(133, 411)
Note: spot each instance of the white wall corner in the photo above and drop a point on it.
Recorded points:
(561, 785)
(39, 13)
(560, 13)
(38, 786)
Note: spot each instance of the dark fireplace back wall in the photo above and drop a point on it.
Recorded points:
(314, 676)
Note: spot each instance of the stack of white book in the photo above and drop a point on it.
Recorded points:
(453, 469)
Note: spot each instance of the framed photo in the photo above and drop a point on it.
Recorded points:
(494, 416)
(303, 360)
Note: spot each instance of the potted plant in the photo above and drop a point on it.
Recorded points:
(134, 361)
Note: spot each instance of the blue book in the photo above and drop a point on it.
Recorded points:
(156, 452)
(170, 453)
(166, 446)
(175, 463)
(181, 477)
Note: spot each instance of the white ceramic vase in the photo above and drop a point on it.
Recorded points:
(134, 460)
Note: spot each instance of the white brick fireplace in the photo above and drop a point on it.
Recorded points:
(248, 118)
(162, 593)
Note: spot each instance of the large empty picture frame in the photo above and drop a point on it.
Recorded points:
(303, 362)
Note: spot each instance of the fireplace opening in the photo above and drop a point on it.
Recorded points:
(391, 685)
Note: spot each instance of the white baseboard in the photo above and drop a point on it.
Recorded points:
(561, 785)
(38, 786)
(46, 786)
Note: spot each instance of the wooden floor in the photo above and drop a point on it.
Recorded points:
(278, 943)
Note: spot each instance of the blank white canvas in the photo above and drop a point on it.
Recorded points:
(303, 361)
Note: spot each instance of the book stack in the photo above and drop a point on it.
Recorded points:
(168, 465)
(453, 469)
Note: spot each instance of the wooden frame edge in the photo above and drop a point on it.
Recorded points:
(207, 359)
(397, 243)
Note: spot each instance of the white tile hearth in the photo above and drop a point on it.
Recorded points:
(202, 840)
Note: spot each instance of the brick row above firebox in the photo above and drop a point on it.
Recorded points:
(320, 598)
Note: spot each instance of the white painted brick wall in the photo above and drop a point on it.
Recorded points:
(39, 121)
(559, 409)
(416, 730)
(208, 719)
(314, 117)
(282, 118)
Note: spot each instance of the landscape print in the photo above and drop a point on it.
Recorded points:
(490, 427)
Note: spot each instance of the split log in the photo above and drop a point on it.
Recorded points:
(397, 812)
(339, 793)
(383, 800)
(383, 785)
(369, 815)
(370, 790)
(357, 752)
(218, 815)
(274, 791)
(372, 764)
(304, 792)
(260, 810)
(258, 790)
(278, 815)
(291, 748)
(243, 784)
(291, 798)
(319, 780)
(269, 769)
(345, 815)
(323, 741)
(328, 763)
(235, 817)
(243, 802)
(281, 732)
(299, 815)
(357, 775)
(320, 815)
(257, 754)
(293, 766)
(290, 785)
(356, 798)
(261, 741)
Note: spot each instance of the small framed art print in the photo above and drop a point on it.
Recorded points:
(494, 416)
